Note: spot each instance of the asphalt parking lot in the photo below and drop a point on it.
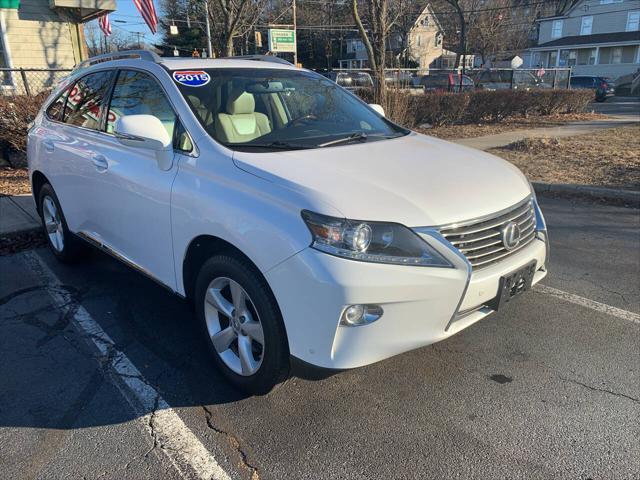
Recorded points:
(103, 375)
(619, 106)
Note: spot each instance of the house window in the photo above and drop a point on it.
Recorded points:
(633, 21)
(568, 58)
(553, 59)
(616, 55)
(438, 39)
(556, 29)
(587, 23)
(419, 40)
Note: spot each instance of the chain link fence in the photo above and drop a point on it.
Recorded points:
(30, 81)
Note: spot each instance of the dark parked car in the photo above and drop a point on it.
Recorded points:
(351, 80)
(446, 82)
(603, 86)
(508, 79)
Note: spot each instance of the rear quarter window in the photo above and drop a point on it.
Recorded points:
(55, 109)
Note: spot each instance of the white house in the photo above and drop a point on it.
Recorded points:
(594, 37)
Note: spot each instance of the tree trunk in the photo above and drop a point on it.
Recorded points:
(379, 27)
(228, 46)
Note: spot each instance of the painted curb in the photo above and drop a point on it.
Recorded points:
(609, 194)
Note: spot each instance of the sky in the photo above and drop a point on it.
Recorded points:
(126, 12)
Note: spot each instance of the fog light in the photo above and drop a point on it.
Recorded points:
(356, 315)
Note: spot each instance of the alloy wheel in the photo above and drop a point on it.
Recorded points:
(53, 223)
(234, 326)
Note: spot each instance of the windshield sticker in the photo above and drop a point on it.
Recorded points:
(191, 78)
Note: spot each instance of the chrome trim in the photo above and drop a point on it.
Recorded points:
(100, 245)
(478, 219)
(480, 239)
(542, 233)
(127, 136)
(436, 235)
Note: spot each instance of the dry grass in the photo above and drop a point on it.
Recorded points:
(14, 181)
(607, 158)
(508, 125)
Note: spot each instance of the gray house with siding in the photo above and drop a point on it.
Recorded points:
(594, 37)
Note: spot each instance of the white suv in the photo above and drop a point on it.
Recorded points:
(302, 223)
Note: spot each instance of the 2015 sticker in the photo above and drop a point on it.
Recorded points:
(192, 78)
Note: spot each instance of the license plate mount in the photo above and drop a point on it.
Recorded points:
(514, 284)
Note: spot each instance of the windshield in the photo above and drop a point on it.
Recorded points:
(267, 109)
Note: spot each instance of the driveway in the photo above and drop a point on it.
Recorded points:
(103, 375)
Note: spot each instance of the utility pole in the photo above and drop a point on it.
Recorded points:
(295, 32)
(208, 26)
(139, 35)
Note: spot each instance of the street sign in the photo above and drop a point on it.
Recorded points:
(281, 40)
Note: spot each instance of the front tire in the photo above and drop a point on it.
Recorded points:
(242, 324)
(63, 244)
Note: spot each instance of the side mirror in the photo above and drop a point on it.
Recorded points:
(377, 108)
(146, 131)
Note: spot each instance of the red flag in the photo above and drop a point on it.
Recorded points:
(148, 12)
(105, 26)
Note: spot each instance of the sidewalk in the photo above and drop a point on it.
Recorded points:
(578, 128)
(18, 214)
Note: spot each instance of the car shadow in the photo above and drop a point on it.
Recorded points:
(53, 376)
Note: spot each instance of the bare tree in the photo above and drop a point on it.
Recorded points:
(97, 44)
(380, 19)
(238, 17)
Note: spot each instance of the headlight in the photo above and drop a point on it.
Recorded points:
(371, 241)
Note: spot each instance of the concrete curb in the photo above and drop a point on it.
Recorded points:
(612, 195)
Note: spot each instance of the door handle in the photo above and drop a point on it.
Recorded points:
(100, 162)
(49, 146)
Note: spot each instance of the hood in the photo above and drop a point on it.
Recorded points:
(415, 180)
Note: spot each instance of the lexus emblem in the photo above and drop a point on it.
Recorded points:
(510, 235)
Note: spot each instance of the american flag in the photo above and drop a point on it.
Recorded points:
(105, 26)
(148, 12)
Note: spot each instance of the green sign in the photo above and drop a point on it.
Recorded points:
(281, 40)
(15, 4)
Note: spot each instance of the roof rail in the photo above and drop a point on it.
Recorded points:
(107, 57)
(261, 58)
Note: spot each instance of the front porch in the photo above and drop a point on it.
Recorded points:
(607, 59)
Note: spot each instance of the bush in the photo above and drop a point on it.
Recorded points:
(16, 113)
(400, 107)
(440, 109)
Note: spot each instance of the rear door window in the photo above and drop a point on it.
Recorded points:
(86, 99)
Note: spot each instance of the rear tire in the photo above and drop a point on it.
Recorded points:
(64, 245)
(242, 324)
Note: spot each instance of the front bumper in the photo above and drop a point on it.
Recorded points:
(422, 305)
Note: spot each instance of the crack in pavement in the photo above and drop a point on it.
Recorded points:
(235, 444)
(603, 390)
(152, 428)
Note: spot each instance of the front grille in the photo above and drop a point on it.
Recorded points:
(481, 241)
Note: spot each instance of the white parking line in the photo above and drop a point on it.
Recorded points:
(592, 304)
(169, 433)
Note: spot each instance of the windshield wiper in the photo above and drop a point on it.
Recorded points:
(355, 136)
(277, 145)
